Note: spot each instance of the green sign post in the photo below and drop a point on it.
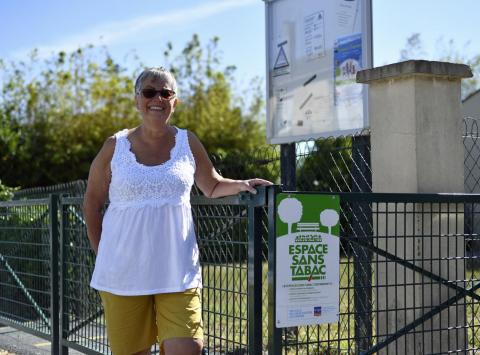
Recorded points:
(308, 258)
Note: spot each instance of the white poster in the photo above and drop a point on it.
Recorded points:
(314, 33)
(308, 257)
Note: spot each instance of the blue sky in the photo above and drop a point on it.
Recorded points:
(144, 27)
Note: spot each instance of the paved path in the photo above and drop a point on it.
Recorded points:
(16, 342)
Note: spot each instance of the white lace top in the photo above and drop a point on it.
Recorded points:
(148, 242)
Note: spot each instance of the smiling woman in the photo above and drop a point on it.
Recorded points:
(155, 98)
(147, 267)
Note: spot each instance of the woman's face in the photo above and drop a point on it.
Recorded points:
(156, 109)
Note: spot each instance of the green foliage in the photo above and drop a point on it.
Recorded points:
(446, 52)
(207, 104)
(6, 192)
(56, 113)
(325, 165)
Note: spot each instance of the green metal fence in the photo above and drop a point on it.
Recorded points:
(229, 299)
(407, 281)
(407, 276)
(28, 281)
(82, 325)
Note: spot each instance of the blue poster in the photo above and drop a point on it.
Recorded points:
(348, 96)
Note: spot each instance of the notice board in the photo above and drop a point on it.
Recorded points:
(314, 50)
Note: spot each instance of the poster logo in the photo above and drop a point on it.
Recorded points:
(308, 250)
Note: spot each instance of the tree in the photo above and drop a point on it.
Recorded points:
(6, 193)
(56, 113)
(447, 52)
(59, 111)
(326, 165)
(208, 106)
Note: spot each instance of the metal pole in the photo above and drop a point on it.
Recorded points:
(54, 306)
(63, 310)
(254, 279)
(361, 228)
(288, 166)
(274, 333)
(362, 182)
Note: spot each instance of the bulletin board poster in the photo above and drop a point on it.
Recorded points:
(314, 51)
(307, 259)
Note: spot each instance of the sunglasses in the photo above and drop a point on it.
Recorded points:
(165, 94)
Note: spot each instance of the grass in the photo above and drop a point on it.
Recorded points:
(226, 309)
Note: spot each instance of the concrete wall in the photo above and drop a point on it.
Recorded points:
(415, 117)
(416, 127)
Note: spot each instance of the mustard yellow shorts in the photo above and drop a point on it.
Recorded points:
(134, 323)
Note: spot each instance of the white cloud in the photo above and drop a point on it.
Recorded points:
(116, 32)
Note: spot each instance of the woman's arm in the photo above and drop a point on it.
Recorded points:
(97, 192)
(211, 183)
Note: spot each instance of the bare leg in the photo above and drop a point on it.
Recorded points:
(182, 346)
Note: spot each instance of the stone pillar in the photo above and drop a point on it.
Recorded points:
(416, 127)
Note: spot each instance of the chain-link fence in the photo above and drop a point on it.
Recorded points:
(339, 164)
(471, 142)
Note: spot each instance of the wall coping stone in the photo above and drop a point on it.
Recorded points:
(413, 67)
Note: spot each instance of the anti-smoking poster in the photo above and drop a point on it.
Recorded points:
(308, 257)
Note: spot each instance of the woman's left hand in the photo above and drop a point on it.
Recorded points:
(249, 185)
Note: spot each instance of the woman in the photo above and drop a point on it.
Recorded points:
(147, 268)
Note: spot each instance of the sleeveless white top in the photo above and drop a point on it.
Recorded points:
(148, 242)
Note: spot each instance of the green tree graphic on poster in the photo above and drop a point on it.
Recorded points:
(306, 208)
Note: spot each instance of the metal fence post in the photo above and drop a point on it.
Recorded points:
(62, 309)
(288, 162)
(274, 333)
(288, 175)
(361, 228)
(255, 284)
(54, 297)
